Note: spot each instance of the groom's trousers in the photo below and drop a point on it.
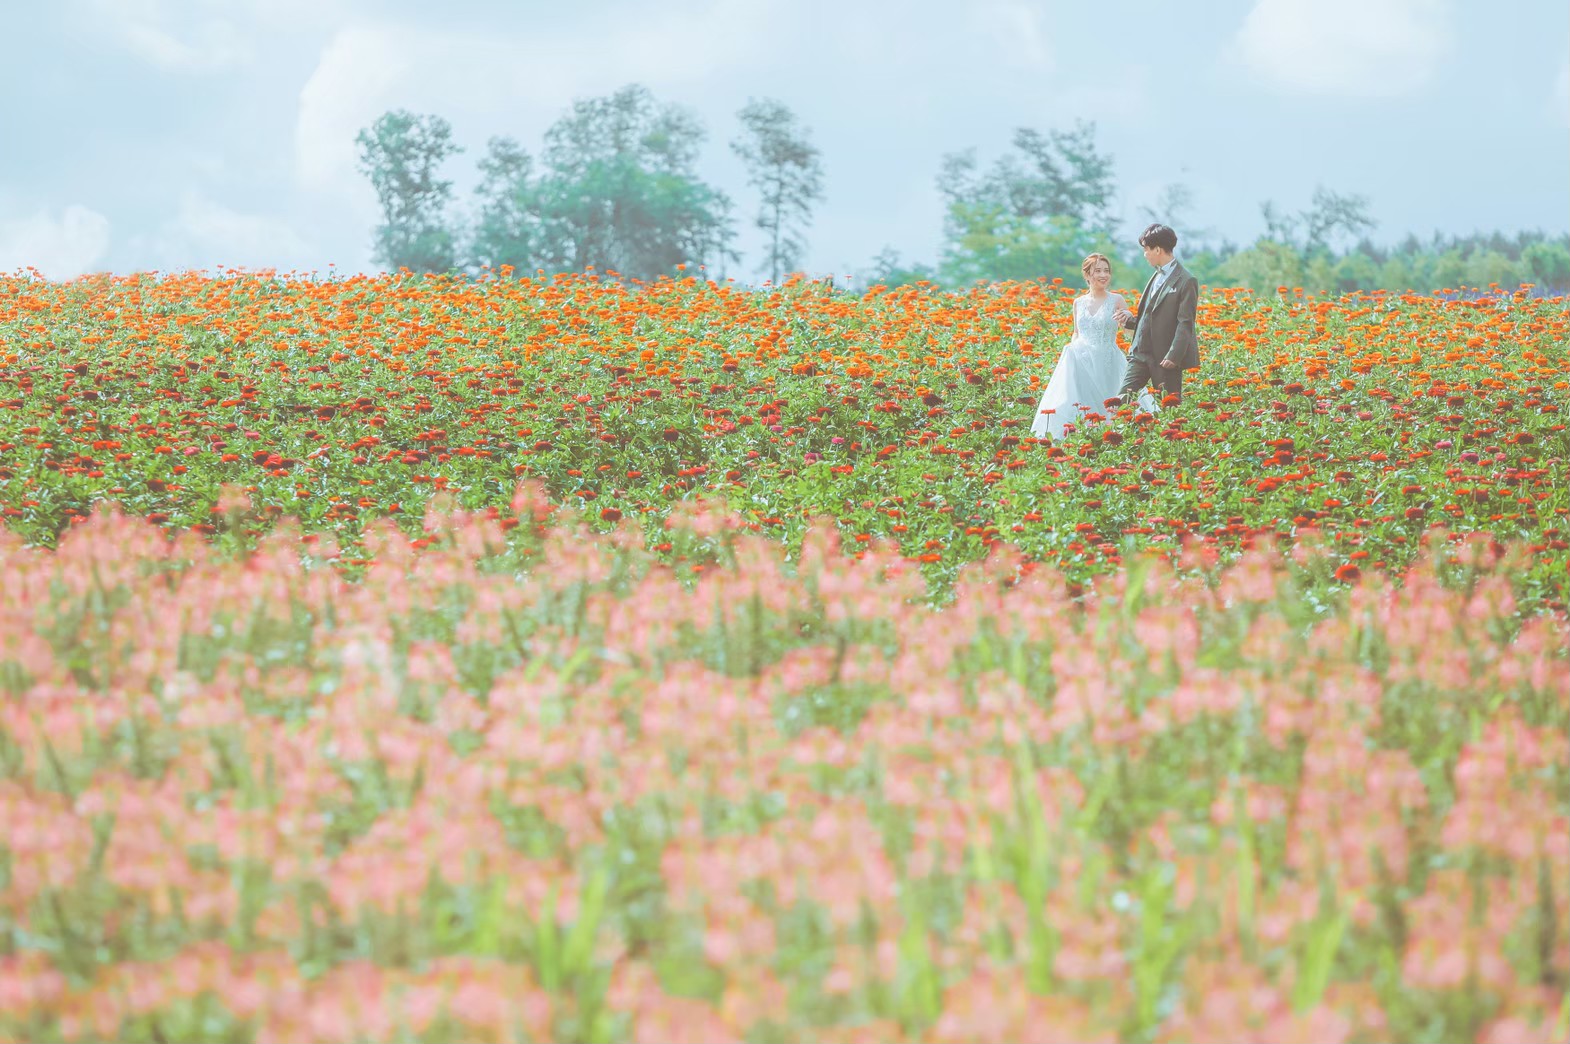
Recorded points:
(1141, 372)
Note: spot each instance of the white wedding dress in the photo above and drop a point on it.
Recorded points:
(1088, 373)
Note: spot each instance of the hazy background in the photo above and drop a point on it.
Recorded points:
(169, 134)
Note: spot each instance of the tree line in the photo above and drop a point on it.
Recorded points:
(616, 187)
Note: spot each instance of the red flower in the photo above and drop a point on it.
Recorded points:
(611, 514)
(1347, 573)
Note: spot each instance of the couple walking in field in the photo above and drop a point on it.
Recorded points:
(1092, 374)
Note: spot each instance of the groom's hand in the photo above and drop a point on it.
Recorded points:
(1168, 364)
(1122, 315)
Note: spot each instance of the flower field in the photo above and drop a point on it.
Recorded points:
(508, 660)
(903, 415)
(260, 801)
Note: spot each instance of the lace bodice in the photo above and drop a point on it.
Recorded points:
(1089, 371)
(1093, 322)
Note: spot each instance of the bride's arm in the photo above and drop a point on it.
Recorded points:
(1118, 304)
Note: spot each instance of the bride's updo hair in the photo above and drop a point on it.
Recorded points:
(1086, 265)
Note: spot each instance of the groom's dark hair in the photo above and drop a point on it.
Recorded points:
(1159, 236)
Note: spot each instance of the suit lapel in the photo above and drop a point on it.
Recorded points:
(1171, 281)
(1144, 297)
(1141, 315)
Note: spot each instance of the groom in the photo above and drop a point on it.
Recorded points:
(1164, 342)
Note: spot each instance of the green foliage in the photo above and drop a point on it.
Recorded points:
(890, 271)
(783, 166)
(1329, 217)
(1548, 263)
(508, 229)
(1036, 213)
(1264, 266)
(1059, 174)
(1206, 265)
(1355, 272)
(988, 245)
(401, 154)
(617, 190)
(1473, 262)
(1174, 208)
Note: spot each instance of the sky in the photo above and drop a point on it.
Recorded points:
(198, 134)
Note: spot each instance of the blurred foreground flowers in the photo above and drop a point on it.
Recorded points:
(548, 789)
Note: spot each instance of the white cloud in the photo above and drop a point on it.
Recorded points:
(488, 83)
(215, 46)
(1017, 28)
(1356, 48)
(353, 83)
(60, 248)
(200, 36)
(206, 234)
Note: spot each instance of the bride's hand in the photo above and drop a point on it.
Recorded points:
(1122, 315)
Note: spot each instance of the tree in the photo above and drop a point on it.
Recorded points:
(783, 166)
(619, 191)
(1357, 271)
(1445, 271)
(888, 270)
(508, 229)
(1067, 178)
(994, 246)
(1173, 208)
(615, 189)
(1059, 174)
(1263, 267)
(1036, 212)
(1205, 264)
(1549, 264)
(1279, 227)
(401, 153)
(1329, 217)
(1395, 274)
(1492, 266)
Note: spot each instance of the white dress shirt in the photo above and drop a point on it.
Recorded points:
(1161, 277)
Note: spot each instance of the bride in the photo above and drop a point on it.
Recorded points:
(1090, 370)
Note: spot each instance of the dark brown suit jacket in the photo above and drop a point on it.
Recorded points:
(1164, 327)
